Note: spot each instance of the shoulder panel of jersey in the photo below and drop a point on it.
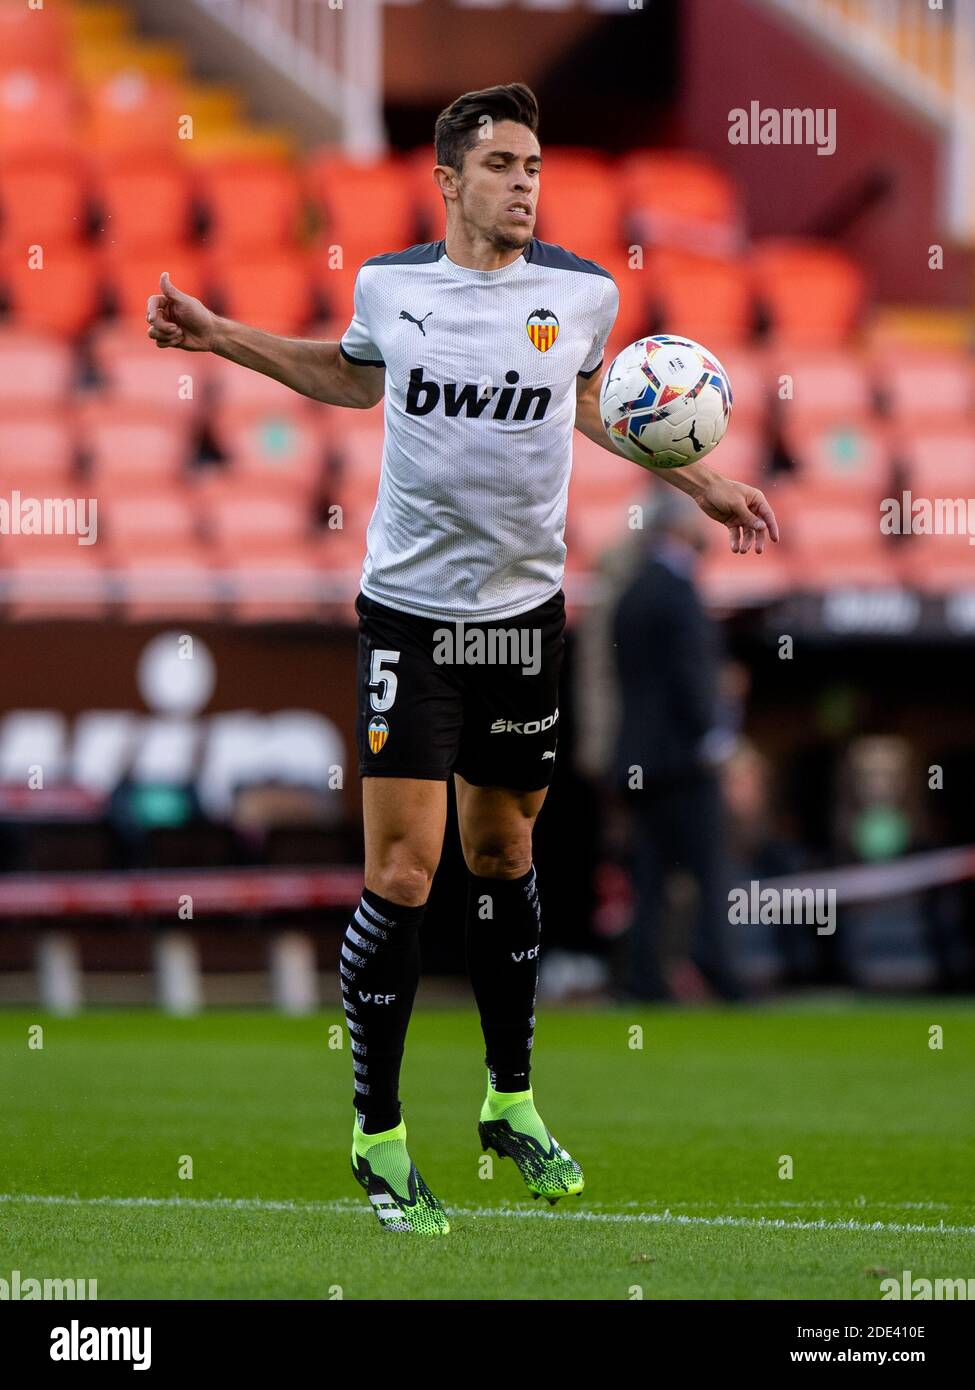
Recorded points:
(541, 253)
(410, 255)
(546, 253)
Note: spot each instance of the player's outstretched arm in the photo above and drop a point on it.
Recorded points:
(745, 510)
(311, 368)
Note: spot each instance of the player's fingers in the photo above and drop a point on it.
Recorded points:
(166, 335)
(169, 289)
(734, 535)
(154, 305)
(762, 506)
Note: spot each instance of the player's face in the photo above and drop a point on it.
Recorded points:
(498, 190)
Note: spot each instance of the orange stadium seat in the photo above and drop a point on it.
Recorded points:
(821, 520)
(135, 372)
(634, 285)
(360, 449)
(32, 38)
(37, 448)
(236, 386)
(674, 198)
(742, 454)
(66, 580)
(342, 550)
(580, 202)
(938, 385)
(42, 201)
(38, 116)
(252, 205)
(594, 527)
(600, 476)
(130, 113)
(62, 298)
(855, 459)
(271, 290)
(134, 445)
(699, 297)
(939, 462)
(175, 582)
(938, 564)
(336, 283)
(275, 586)
(425, 197)
(132, 277)
(34, 369)
(364, 203)
(811, 292)
(750, 387)
(815, 386)
(286, 447)
(152, 520)
(142, 203)
(255, 518)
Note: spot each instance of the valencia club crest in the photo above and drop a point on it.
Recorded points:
(543, 329)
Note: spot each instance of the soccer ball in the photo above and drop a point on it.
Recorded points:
(665, 402)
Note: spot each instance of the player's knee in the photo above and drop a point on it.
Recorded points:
(508, 860)
(402, 880)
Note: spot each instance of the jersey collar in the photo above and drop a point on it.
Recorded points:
(483, 277)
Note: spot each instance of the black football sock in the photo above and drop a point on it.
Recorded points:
(503, 930)
(380, 971)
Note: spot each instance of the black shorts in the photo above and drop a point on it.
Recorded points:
(481, 699)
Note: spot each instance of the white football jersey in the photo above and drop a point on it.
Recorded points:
(481, 369)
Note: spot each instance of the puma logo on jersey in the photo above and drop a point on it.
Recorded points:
(419, 322)
(549, 753)
(472, 398)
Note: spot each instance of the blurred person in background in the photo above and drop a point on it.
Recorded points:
(676, 726)
(759, 849)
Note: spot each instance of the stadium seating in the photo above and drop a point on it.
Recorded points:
(368, 205)
(35, 369)
(250, 205)
(203, 469)
(810, 291)
(37, 449)
(141, 201)
(700, 297)
(681, 200)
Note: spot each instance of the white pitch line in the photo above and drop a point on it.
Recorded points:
(346, 1206)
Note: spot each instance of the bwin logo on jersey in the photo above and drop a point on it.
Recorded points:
(474, 399)
(543, 328)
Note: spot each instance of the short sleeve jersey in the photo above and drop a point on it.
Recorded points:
(480, 401)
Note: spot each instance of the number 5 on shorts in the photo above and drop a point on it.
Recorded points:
(382, 699)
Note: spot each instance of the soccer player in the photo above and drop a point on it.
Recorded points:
(487, 346)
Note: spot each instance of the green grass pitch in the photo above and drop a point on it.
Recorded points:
(681, 1144)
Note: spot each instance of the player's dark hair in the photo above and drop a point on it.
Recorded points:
(459, 125)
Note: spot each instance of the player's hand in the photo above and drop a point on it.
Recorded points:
(178, 320)
(744, 510)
